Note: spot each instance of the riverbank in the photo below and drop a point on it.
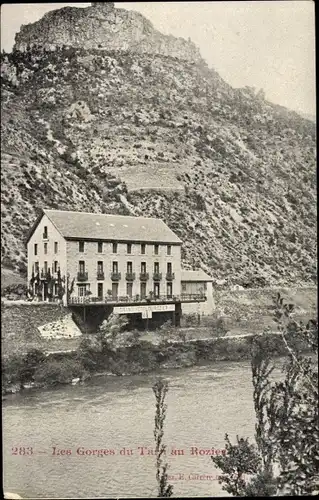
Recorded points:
(40, 370)
(237, 312)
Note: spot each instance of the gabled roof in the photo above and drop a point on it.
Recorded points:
(90, 226)
(198, 275)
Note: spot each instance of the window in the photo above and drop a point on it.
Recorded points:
(115, 267)
(129, 289)
(56, 289)
(45, 248)
(45, 266)
(81, 246)
(55, 266)
(156, 267)
(115, 290)
(36, 267)
(143, 267)
(143, 247)
(35, 249)
(156, 289)
(129, 267)
(100, 247)
(156, 249)
(169, 289)
(129, 248)
(169, 250)
(81, 266)
(100, 267)
(183, 287)
(169, 268)
(114, 247)
(100, 290)
(81, 290)
(45, 232)
(56, 247)
(143, 290)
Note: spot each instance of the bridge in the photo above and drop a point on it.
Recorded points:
(94, 309)
(137, 300)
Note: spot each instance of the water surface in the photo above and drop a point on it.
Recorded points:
(113, 413)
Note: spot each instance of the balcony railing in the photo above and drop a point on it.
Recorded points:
(170, 276)
(100, 275)
(115, 276)
(130, 276)
(138, 299)
(144, 276)
(157, 276)
(82, 276)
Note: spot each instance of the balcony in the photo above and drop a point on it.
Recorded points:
(137, 299)
(82, 276)
(45, 236)
(157, 276)
(144, 276)
(115, 276)
(100, 275)
(130, 276)
(170, 276)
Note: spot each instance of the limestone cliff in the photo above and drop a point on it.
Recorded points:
(136, 132)
(102, 26)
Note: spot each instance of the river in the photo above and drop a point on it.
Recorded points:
(112, 413)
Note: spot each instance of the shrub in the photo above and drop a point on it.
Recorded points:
(20, 290)
(88, 353)
(217, 325)
(54, 372)
(11, 369)
(165, 331)
(19, 369)
(30, 363)
(191, 319)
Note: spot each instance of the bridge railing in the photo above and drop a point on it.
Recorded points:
(193, 297)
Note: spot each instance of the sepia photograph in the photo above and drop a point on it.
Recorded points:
(159, 250)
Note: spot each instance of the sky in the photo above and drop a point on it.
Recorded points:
(262, 44)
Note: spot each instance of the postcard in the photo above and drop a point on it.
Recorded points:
(158, 277)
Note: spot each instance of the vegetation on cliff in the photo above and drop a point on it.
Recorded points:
(113, 131)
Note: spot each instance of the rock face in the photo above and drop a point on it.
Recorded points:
(139, 133)
(101, 26)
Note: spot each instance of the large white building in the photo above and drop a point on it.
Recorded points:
(121, 261)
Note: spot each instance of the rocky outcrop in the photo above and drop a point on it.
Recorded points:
(101, 26)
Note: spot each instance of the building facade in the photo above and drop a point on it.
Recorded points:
(193, 283)
(104, 256)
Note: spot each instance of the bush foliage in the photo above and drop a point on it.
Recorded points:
(284, 459)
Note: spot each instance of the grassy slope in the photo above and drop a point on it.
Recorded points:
(234, 175)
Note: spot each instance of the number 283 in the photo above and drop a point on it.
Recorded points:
(22, 451)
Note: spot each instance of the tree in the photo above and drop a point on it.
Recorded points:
(64, 286)
(112, 332)
(160, 389)
(287, 425)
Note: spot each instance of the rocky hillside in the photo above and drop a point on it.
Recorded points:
(135, 133)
